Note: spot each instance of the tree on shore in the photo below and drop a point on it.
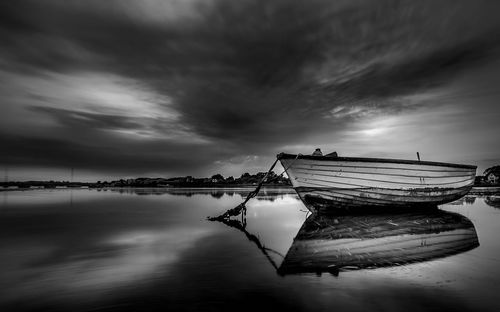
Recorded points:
(217, 177)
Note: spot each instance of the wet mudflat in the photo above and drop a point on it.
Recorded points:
(152, 249)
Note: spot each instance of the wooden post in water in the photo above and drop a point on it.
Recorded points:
(418, 156)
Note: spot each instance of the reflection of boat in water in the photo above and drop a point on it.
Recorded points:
(346, 242)
(342, 242)
(327, 181)
(493, 201)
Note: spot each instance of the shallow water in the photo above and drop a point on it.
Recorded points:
(86, 250)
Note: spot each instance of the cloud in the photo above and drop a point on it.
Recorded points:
(244, 78)
(110, 154)
(76, 119)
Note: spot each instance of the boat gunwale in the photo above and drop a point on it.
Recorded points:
(376, 160)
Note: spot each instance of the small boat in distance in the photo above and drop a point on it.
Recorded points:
(326, 182)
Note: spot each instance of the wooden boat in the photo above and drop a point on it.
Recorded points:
(350, 242)
(323, 182)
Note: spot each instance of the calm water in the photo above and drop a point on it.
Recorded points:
(87, 250)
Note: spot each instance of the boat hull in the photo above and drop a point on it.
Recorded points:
(341, 182)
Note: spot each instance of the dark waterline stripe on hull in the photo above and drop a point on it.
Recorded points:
(391, 199)
(351, 199)
(421, 197)
(386, 192)
(356, 199)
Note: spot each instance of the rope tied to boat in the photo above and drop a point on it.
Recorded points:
(241, 207)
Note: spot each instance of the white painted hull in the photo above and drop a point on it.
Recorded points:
(352, 182)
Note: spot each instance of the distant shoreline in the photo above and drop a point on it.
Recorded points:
(476, 190)
(234, 186)
(485, 190)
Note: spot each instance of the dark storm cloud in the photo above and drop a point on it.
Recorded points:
(273, 92)
(256, 44)
(250, 76)
(119, 156)
(75, 119)
(426, 71)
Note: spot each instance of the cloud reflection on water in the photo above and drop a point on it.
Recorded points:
(86, 245)
(120, 251)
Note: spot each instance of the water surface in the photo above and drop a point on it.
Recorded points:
(153, 249)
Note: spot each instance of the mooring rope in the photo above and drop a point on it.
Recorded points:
(285, 169)
(237, 210)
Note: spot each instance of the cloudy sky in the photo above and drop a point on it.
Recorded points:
(196, 87)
